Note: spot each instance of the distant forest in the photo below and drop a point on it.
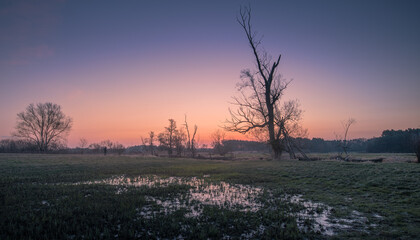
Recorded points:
(391, 141)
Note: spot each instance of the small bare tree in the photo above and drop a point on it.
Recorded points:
(191, 143)
(344, 142)
(149, 142)
(107, 144)
(259, 110)
(179, 140)
(43, 124)
(95, 147)
(83, 143)
(217, 142)
(118, 148)
(144, 141)
(166, 139)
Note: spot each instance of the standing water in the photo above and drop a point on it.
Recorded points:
(234, 197)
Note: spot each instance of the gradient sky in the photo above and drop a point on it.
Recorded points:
(122, 68)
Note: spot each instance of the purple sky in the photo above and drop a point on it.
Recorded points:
(121, 69)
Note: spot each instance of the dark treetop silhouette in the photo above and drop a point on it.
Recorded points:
(45, 125)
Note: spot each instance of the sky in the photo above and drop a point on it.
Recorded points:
(121, 69)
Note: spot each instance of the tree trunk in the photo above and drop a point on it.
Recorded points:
(277, 149)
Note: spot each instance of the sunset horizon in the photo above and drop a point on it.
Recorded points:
(122, 70)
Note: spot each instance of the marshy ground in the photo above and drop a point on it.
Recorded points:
(102, 197)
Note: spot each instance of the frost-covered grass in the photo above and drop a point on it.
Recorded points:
(94, 197)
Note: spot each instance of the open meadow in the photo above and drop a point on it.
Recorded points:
(103, 197)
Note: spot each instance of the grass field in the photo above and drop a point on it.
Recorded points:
(103, 197)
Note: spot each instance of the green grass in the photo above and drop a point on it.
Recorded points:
(35, 204)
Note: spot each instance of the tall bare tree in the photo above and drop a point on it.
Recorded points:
(259, 109)
(191, 143)
(44, 124)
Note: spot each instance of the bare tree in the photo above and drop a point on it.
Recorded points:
(43, 124)
(144, 141)
(344, 143)
(83, 143)
(218, 138)
(95, 147)
(166, 139)
(191, 144)
(149, 142)
(107, 144)
(118, 148)
(179, 140)
(259, 109)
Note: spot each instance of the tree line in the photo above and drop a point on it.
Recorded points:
(42, 128)
(390, 141)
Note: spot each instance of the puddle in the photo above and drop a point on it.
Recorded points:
(224, 195)
(312, 216)
(324, 223)
(319, 213)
